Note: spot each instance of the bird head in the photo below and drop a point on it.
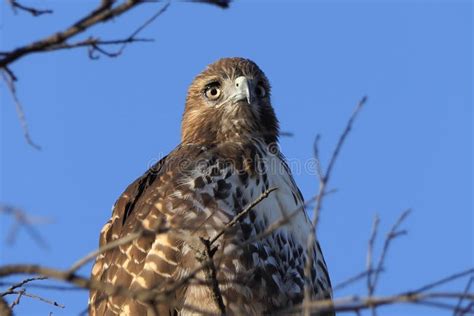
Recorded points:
(229, 101)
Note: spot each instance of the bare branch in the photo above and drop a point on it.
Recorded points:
(247, 209)
(269, 230)
(15, 286)
(22, 219)
(94, 44)
(169, 292)
(466, 290)
(206, 264)
(211, 273)
(9, 79)
(101, 14)
(343, 304)
(370, 250)
(206, 257)
(324, 178)
(104, 12)
(355, 303)
(468, 309)
(319, 168)
(16, 6)
(224, 4)
(286, 134)
(18, 298)
(352, 279)
(419, 296)
(444, 280)
(19, 290)
(58, 41)
(72, 278)
(24, 293)
(393, 233)
(47, 286)
(343, 137)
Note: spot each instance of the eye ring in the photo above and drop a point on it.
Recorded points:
(213, 92)
(261, 91)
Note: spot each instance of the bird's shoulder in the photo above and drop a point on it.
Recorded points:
(190, 167)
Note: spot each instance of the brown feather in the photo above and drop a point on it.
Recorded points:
(191, 194)
(204, 125)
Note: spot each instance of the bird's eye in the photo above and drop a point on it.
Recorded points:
(213, 92)
(260, 91)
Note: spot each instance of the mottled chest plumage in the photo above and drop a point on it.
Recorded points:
(269, 259)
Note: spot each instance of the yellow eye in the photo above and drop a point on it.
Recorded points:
(213, 93)
(261, 92)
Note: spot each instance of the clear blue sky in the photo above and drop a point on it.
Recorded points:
(102, 123)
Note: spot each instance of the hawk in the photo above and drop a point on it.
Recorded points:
(226, 160)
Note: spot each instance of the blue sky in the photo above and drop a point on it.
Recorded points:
(102, 123)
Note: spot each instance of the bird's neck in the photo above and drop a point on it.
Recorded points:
(216, 130)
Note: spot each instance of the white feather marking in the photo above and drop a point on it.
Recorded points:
(141, 281)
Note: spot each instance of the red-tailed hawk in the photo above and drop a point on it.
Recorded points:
(227, 158)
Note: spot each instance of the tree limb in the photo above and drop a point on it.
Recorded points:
(17, 6)
(324, 177)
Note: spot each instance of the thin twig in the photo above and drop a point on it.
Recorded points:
(104, 12)
(286, 134)
(24, 293)
(86, 283)
(466, 290)
(95, 44)
(211, 273)
(224, 4)
(343, 137)
(355, 303)
(444, 280)
(370, 251)
(247, 209)
(15, 286)
(9, 80)
(16, 6)
(393, 233)
(47, 286)
(351, 280)
(22, 219)
(70, 276)
(439, 305)
(17, 289)
(169, 292)
(469, 308)
(269, 230)
(18, 298)
(324, 178)
(337, 305)
(101, 14)
(319, 168)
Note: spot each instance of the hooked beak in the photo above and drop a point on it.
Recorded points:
(243, 90)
